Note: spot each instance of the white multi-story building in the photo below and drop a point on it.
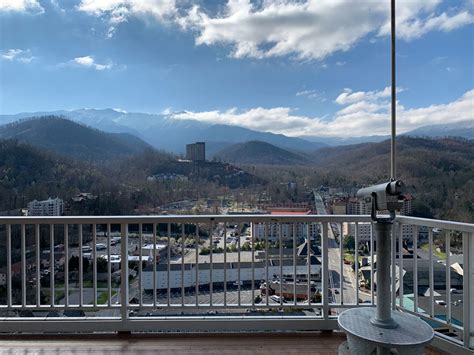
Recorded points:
(357, 206)
(301, 230)
(364, 231)
(187, 275)
(49, 207)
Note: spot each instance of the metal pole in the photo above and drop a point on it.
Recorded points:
(393, 167)
(383, 316)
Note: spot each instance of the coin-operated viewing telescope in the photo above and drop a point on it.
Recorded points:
(384, 197)
(383, 329)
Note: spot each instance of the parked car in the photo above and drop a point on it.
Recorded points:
(100, 246)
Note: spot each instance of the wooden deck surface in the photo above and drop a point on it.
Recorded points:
(307, 343)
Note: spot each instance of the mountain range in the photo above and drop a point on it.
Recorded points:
(165, 132)
(438, 170)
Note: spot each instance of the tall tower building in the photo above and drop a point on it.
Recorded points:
(196, 151)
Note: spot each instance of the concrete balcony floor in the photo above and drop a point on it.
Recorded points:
(263, 343)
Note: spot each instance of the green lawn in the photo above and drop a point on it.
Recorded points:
(439, 254)
(104, 297)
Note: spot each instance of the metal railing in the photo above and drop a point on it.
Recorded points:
(226, 272)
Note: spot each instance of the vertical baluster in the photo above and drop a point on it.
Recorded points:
(280, 250)
(356, 255)
(124, 274)
(341, 266)
(400, 262)
(196, 250)
(393, 247)
(9, 265)
(431, 270)
(94, 263)
(309, 263)
(266, 262)
(448, 276)
(415, 267)
(372, 293)
(154, 266)
(225, 263)
(468, 253)
(295, 274)
(38, 266)
(168, 263)
(51, 261)
(211, 280)
(253, 263)
(109, 266)
(81, 274)
(239, 251)
(140, 264)
(23, 265)
(182, 263)
(325, 276)
(66, 265)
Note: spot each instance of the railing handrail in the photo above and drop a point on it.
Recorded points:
(257, 218)
(437, 223)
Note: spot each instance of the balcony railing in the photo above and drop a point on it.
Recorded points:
(227, 273)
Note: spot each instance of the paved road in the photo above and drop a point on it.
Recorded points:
(334, 258)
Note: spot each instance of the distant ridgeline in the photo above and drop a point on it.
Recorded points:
(53, 156)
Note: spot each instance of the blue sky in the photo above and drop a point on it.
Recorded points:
(293, 67)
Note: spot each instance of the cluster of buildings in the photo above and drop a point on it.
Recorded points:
(189, 274)
(351, 205)
(167, 177)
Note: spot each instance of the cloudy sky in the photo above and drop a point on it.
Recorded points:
(297, 67)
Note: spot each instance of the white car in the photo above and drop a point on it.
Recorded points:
(100, 246)
(278, 299)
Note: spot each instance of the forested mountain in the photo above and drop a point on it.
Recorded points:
(255, 152)
(27, 173)
(122, 184)
(440, 172)
(464, 129)
(69, 138)
(165, 132)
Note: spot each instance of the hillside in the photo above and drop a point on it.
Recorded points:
(464, 129)
(165, 132)
(27, 173)
(438, 171)
(69, 138)
(255, 152)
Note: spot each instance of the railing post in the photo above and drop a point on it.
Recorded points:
(124, 276)
(468, 289)
(325, 276)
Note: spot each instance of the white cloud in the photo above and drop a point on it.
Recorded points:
(89, 62)
(118, 11)
(16, 54)
(410, 27)
(312, 94)
(304, 29)
(348, 96)
(313, 29)
(31, 6)
(368, 113)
